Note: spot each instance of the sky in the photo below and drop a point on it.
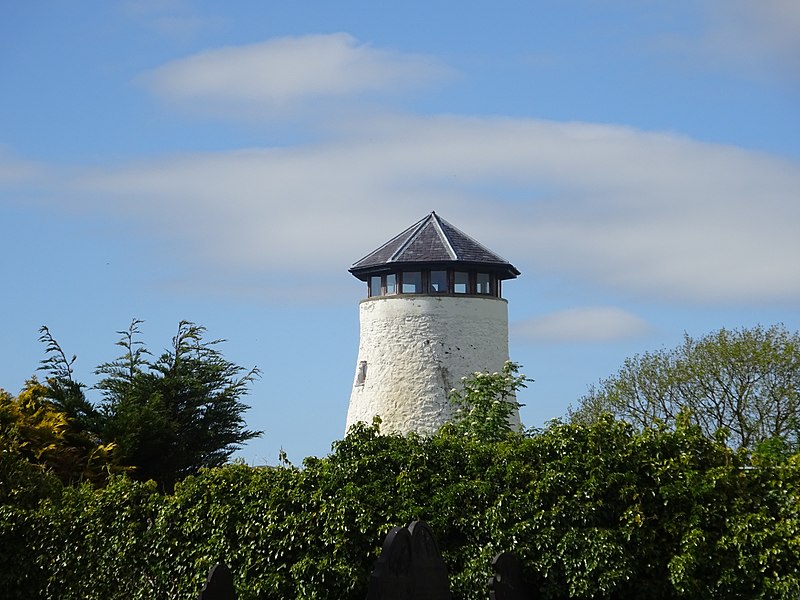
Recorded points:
(226, 163)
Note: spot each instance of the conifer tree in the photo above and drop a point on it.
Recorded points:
(168, 416)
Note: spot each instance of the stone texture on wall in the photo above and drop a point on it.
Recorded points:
(416, 349)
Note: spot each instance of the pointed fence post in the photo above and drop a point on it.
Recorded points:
(219, 584)
(507, 584)
(391, 578)
(429, 573)
(410, 567)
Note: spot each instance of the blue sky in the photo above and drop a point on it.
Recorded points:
(638, 161)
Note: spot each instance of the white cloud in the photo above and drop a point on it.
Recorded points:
(588, 324)
(280, 75)
(652, 214)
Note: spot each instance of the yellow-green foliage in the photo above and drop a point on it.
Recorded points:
(35, 430)
(31, 421)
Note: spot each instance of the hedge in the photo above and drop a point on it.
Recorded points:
(597, 511)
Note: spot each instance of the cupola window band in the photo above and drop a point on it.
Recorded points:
(434, 282)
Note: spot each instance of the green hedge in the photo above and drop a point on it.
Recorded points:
(594, 512)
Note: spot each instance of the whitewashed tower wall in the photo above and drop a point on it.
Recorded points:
(434, 314)
(416, 349)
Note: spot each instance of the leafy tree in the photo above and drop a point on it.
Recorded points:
(35, 430)
(487, 403)
(24, 438)
(744, 383)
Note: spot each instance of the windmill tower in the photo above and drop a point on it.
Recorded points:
(433, 314)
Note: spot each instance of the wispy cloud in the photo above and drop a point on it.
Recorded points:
(16, 170)
(587, 324)
(648, 213)
(281, 75)
(645, 213)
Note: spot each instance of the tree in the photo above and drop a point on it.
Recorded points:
(178, 413)
(168, 417)
(35, 431)
(485, 407)
(744, 383)
(63, 391)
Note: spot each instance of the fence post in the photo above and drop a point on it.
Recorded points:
(410, 567)
(506, 584)
(219, 584)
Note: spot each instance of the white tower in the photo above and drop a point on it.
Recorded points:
(433, 314)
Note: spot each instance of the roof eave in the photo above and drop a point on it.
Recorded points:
(503, 270)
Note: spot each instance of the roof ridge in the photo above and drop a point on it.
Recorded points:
(443, 235)
(472, 239)
(390, 242)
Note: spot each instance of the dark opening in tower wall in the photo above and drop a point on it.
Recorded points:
(361, 374)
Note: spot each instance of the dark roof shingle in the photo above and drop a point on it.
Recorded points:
(433, 240)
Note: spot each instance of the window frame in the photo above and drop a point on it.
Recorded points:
(423, 280)
(419, 285)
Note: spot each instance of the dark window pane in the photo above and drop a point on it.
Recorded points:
(483, 284)
(391, 283)
(412, 282)
(461, 282)
(375, 285)
(439, 282)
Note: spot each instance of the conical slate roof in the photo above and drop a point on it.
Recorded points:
(432, 241)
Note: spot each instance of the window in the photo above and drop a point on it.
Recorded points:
(439, 282)
(375, 285)
(435, 281)
(412, 282)
(483, 283)
(361, 374)
(461, 282)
